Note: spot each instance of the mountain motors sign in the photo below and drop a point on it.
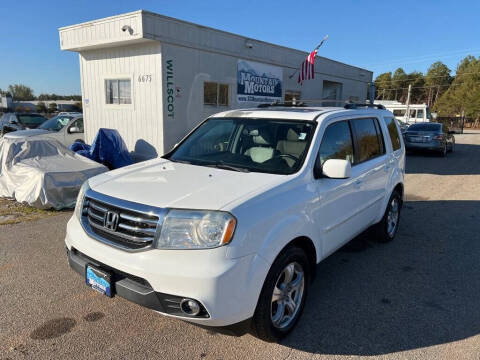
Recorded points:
(257, 82)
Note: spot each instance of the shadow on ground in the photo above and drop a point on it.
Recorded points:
(463, 161)
(421, 290)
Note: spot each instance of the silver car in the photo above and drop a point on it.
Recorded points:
(429, 137)
(65, 128)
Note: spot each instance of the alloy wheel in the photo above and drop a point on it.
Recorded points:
(392, 217)
(287, 295)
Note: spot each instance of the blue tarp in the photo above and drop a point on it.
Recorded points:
(108, 148)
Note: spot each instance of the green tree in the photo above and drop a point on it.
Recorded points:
(400, 84)
(52, 107)
(417, 80)
(21, 92)
(383, 85)
(437, 81)
(41, 107)
(463, 95)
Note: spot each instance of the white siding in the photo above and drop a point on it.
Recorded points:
(104, 32)
(139, 124)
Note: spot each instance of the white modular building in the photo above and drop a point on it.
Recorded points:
(153, 77)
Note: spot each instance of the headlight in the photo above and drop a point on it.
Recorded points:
(80, 198)
(196, 229)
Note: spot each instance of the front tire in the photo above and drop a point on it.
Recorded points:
(283, 295)
(387, 228)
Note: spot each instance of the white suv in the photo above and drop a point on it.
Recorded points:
(226, 229)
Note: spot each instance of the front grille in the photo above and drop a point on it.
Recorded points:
(132, 226)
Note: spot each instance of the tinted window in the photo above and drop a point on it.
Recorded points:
(425, 127)
(399, 113)
(337, 143)
(420, 114)
(368, 142)
(29, 120)
(393, 132)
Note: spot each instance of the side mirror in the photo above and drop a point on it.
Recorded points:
(73, 130)
(336, 169)
(13, 121)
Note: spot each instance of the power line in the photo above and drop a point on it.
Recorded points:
(423, 57)
(431, 77)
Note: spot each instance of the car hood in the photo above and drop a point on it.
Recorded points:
(26, 133)
(163, 183)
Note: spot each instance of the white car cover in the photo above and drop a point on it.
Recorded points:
(42, 172)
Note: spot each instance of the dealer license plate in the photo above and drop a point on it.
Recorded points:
(98, 280)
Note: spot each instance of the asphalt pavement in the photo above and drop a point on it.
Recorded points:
(415, 298)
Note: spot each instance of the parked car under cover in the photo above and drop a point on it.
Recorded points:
(42, 172)
(67, 129)
(429, 137)
(20, 121)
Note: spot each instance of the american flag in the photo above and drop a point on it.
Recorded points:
(307, 70)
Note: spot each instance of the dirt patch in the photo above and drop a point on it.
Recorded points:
(53, 328)
(12, 212)
(93, 316)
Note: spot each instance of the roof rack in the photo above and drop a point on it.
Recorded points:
(283, 104)
(356, 106)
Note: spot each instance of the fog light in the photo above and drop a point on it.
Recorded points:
(190, 307)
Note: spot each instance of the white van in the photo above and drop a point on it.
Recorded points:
(417, 112)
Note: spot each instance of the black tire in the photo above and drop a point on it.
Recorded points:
(443, 152)
(452, 147)
(262, 324)
(382, 231)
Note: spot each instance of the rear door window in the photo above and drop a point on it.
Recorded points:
(337, 143)
(369, 140)
(393, 133)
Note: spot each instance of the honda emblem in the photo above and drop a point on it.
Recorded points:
(110, 221)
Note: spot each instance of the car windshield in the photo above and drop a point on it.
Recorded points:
(425, 127)
(56, 123)
(239, 144)
(30, 119)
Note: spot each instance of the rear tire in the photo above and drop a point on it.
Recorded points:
(387, 228)
(452, 147)
(283, 295)
(443, 152)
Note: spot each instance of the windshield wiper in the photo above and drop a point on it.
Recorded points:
(228, 167)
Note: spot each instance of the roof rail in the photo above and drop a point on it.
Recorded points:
(283, 104)
(356, 106)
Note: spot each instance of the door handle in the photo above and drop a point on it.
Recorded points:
(357, 183)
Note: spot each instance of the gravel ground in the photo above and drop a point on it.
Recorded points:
(415, 298)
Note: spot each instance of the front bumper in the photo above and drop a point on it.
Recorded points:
(228, 289)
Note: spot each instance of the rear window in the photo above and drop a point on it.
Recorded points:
(425, 127)
(393, 133)
(31, 119)
(369, 139)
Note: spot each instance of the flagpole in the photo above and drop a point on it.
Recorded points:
(318, 47)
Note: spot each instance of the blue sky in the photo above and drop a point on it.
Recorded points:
(377, 35)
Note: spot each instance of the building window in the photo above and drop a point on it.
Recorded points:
(290, 95)
(118, 91)
(215, 94)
